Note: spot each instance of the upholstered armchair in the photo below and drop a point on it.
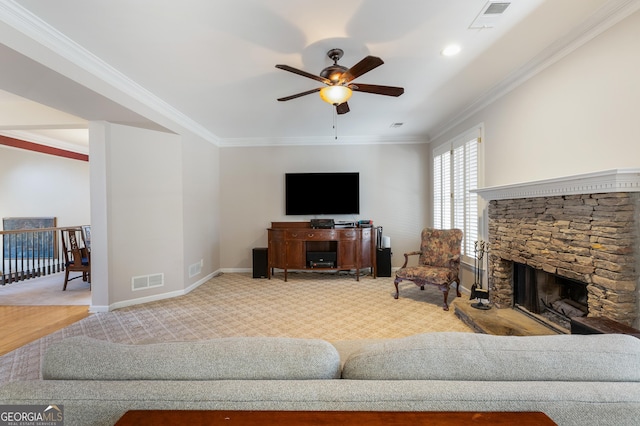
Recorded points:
(438, 264)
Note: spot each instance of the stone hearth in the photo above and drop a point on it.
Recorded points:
(584, 228)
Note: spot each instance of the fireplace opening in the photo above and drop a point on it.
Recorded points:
(548, 297)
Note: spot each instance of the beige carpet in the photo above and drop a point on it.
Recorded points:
(46, 290)
(312, 305)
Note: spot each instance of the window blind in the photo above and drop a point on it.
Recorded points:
(455, 173)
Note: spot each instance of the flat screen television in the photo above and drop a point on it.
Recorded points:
(322, 193)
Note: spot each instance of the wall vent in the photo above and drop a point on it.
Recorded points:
(489, 15)
(195, 269)
(147, 281)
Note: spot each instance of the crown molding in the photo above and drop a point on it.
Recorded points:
(603, 19)
(22, 20)
(616, 180)
(318, 140)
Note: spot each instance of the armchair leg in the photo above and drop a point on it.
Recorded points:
(458, 289)
(395, 282)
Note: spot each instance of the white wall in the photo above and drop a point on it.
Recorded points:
(154, 209)
(201, 206)
(141, 211)
(577, 116)
(394, 182)
(34, 184)
(145, 209)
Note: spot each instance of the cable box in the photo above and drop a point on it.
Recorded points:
(321, 259)
(345, 224)
(322, 223)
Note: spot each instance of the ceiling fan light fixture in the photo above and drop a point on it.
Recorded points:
(335, 95)
(337, 80)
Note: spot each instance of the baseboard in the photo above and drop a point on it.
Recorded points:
(236, 270)
(153, 298)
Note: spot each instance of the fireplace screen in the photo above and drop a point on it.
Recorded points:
(550, 296)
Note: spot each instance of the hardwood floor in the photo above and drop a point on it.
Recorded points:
(24, 324)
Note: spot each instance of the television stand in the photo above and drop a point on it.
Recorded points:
(293, 244)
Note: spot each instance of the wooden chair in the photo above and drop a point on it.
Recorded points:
(439, 262)
(77, 258)
(86, 235)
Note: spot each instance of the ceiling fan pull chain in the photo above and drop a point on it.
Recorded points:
(335, 123)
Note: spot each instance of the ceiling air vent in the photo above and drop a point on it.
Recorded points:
(489, 15)
(496, 8)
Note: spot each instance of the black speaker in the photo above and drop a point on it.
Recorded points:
(260, 263)
(383, 262)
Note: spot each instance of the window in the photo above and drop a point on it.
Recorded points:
(455, 173)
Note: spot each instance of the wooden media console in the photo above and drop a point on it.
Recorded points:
(296, 245)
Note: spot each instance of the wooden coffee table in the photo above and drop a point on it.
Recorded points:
(359, 418)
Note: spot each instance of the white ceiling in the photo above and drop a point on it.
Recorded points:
(210, 65)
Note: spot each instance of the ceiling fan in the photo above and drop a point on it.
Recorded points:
(338, 80)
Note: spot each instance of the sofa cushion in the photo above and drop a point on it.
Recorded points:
(250, 358)
(347, 347)
(468, 356)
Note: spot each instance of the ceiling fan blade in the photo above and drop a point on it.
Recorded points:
(343, 108)
(364, 66)
(297, 95)
(377, 90)
(304, 73)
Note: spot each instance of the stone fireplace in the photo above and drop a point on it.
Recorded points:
(581, 231)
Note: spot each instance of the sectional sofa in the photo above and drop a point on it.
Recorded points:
(575, 380)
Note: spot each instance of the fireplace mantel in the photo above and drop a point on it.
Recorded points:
(617, 180)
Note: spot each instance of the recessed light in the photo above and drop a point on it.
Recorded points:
(451, 50)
